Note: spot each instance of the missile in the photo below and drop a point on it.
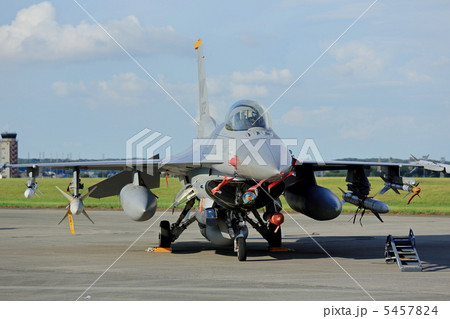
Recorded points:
(396, 187)
(410, 188)
(32, 187)
(29, 192)
(75, 207)
(374, 205)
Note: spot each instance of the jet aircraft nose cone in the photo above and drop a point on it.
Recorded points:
(264, 171)
(258, 159)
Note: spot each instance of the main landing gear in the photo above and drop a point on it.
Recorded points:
(169, 233)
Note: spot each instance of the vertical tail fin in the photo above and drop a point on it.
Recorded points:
(206, 123)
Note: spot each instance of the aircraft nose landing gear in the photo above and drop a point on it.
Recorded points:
(240, 247)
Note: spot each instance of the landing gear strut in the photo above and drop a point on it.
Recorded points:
(237, 230)
(269, 231)
(168, 234)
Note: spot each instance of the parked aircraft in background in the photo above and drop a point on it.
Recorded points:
(431, 165)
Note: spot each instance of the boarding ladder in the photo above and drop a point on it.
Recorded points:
(403, 250)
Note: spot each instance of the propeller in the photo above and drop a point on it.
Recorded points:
(416, 191)
(75, 207)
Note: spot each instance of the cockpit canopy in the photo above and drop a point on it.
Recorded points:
(246, 114)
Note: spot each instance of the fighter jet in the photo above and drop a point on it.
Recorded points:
(233, 174)
(431, 165)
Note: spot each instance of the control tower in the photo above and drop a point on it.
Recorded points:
(9, 153)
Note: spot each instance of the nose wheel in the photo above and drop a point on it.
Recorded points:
(241, 248)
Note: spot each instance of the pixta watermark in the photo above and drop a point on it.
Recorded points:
(147, 148)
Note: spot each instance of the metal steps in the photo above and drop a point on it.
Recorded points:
(403, 251)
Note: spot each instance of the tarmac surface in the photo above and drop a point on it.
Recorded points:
(40, 260)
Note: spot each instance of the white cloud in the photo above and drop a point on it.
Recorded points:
(63, 89)
(302, 116)
(254, 84)
(35, 35)
(417, 77)
(442, 61)
(122, 90)
(357, 59)
(248, 91)
(350, 123)
(247, 85)
(249, 40)
(372, 125)
(282, 76)
(122, 86)
(341, 12)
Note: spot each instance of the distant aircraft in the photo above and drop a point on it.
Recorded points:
(255, 169)
(431, 165)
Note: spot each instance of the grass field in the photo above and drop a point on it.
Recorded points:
(435, 195)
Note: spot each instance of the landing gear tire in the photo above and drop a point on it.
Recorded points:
(241, 249)
(164, 234)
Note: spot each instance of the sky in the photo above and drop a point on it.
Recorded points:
(82, 77)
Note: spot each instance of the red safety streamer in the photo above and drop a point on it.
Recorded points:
(276, 182)
(222, 183)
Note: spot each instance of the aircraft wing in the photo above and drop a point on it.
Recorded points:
(389, 173)
(179, 165)
(344, 165)
(149, 169)
(98, 165)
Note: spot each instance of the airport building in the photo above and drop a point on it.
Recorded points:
(9, 153)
